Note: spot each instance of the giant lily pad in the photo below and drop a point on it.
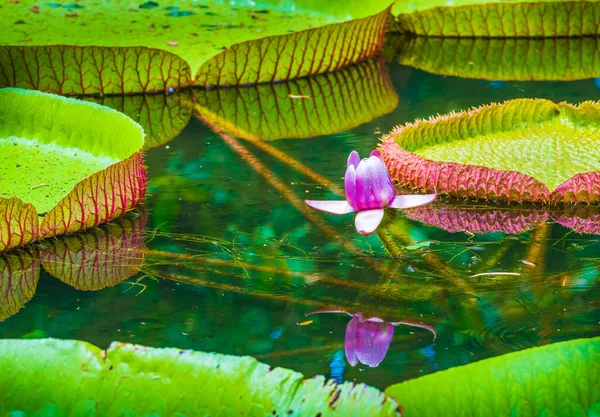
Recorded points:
(556, 380)
(321, 105)
(101, 258)
(521, 150)
(498, 18)
(507, 59)
(65, 166)
(151, 47)
(137, 380)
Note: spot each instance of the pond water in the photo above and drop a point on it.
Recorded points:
(226, 257)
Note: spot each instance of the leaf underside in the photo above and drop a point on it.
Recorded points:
(521, 18)
(503, 59)
(19, 275)
(521, 150)
(136, 380)
(305, 108)
(561, 379)
(511, 220)
(162, 116)
(155, 49)
(100, 258)
(79, 163)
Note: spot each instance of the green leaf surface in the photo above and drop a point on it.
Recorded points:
(146, 49)
(521, 150)
(79, 163)
(309, 107)
(503, 59)
(562, 379)
(498, 18)
(130, 380)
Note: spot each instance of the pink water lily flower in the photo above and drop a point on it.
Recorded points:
(368, 340)
(369, 190)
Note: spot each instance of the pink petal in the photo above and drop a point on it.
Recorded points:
(376, 154)
(354, 159)
(410, 201)
(331, 206)
(374, 188)
(373, 341)
(366, 221)
(350, 185)
(350, 341)
(421, 326)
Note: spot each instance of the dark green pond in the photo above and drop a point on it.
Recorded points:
(231, 259)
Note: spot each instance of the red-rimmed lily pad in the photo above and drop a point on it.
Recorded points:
(518, 151)
(65, 166)
(498, 18)
(100, 258)
(173, 45)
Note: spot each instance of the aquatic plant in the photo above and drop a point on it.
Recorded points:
(505, 152)
(137, 380)
(369, 190)
(368, 339)
(66, 166)
(497, 18)
(560, 379)
(172, 45)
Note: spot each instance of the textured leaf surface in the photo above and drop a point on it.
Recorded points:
(309, 107)
(562, 379)
(136, 380)
(497, 18)
(74, 70)
(161, 116)
(503, 59)
(19, 224)
(19, 275)
(78, 162)
(153, 48)
(101, 258)
(521, 150)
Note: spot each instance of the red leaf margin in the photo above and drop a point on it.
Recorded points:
(101, 197)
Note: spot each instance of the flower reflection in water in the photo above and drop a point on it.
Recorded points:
(368, 339)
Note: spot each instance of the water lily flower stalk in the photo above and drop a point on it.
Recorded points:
(368, 339)
(369, 190)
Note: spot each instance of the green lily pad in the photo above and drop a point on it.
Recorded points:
(152, 49)
(509, 59)
(555, 380)
(137, 380)
(498, 18)
(73, 163)
(101, 258)
(309, 107)
(521, 150)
